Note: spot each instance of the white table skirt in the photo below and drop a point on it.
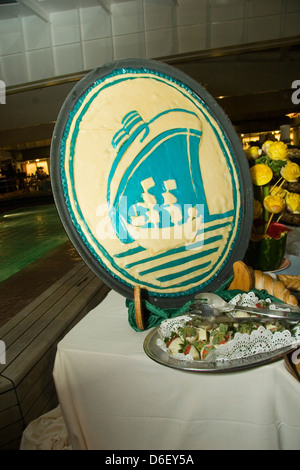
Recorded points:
(113, 396)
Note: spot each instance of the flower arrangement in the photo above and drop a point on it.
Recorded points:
(270, 169)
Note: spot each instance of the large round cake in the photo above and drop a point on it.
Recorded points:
(150, 181)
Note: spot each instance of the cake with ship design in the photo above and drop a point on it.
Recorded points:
(150, 181)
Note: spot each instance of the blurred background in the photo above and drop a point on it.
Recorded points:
(246, 53)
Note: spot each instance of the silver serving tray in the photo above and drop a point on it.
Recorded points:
(158, 355)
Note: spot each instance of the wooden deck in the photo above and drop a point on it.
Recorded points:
(27, 388)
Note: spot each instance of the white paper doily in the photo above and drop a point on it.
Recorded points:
(259, 341)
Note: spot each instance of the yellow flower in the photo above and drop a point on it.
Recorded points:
(293, 203)
(257, 209)
(265, 145)
(278, 191)
(253, 153)
(278, 151)
(290, 172)
(274, 204)
(261, 174)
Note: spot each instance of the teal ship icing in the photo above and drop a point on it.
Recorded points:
(159, 193)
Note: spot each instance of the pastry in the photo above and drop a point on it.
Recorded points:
(291, 282)
(274, 287)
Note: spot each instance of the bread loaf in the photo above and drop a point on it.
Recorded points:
(274, 287)
(291, 282)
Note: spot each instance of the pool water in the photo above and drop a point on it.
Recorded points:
(26, 234)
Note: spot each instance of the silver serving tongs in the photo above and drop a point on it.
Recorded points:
(211, 314)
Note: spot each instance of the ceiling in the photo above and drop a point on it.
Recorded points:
(246, 55)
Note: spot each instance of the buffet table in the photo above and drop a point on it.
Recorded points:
(113, 396)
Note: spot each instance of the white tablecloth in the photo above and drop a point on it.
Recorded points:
(113, 396)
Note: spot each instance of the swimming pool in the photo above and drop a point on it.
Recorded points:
(26, 234)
